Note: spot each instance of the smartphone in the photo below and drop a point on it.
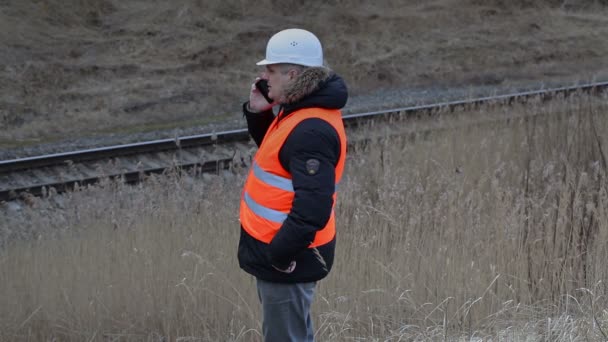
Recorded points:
(262, 86)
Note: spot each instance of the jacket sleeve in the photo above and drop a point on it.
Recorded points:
(312, 142)
(257, 123)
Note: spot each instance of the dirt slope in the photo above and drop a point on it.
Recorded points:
(89, 67)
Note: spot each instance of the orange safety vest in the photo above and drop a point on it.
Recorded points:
(268, 193)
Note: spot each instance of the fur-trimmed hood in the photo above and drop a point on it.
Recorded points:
(315, 87)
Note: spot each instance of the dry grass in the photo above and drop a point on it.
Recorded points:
(493, 231)
(97, 66)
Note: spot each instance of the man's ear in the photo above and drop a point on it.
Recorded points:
(293, 73)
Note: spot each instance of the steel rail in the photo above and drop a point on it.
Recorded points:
(239, 135)
(545, 94)
(128, 177)
(8, 166)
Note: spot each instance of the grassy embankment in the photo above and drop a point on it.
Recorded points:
(82, 68)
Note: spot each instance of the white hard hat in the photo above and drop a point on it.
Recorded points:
(294, 46)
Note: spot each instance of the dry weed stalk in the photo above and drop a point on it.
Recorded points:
(463, 233)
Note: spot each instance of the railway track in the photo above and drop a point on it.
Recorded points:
(39, 175)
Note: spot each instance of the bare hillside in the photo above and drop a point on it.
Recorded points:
(94, 67)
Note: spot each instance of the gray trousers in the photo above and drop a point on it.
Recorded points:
(286, 311)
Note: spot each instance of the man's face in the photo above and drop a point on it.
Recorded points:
(278, 78)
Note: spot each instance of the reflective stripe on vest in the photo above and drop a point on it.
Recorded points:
(262, 211)
(272, 180)
(268, 193)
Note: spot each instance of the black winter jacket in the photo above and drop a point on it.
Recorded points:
(312, 206)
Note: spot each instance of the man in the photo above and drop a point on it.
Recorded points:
(287, 208)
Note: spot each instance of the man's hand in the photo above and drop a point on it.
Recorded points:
(257, 102)
(292, 266)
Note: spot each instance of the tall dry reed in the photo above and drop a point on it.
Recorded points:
(480, 224)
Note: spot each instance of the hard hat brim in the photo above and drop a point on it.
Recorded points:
(268, 62)
(265, 62)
